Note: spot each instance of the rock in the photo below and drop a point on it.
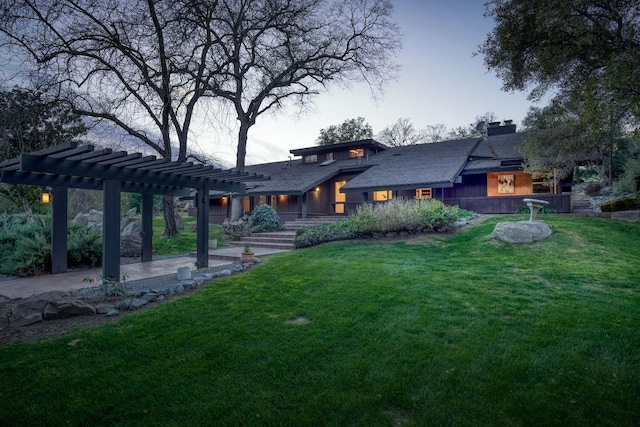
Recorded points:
(48, 305)
(123, 305)
(112, 313)
(104, 308)
(82, 219)
(137, 303)
(521, 231)
(178, 289)
(222, 273)
(631, 216)
(131, 240)
(150, 296)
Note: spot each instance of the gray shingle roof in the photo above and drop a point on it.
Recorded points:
(413, 166)
(493, 151)
(295, 177)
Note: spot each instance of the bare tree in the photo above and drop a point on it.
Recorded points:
(402, 132)
(134, 63)
(272, 52)
(435, 133)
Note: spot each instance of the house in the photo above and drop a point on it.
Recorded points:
(480, 174)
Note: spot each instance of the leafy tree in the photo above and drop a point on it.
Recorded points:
(588, 53)
(402, 132)
(349, 130)
(31, 120)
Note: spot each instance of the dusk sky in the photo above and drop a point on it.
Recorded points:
(441, 81)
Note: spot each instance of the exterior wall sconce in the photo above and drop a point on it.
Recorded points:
(317, 189)
(45, 195)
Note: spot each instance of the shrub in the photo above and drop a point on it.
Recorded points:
(322, 233)
(25, 246)
(593, 188)
(84, 246)
(627, 182)
(627, 204)
(397, 215)
(265, 218)
(544, 210)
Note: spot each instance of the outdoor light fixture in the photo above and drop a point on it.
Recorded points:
(45, 195)
(317, 188)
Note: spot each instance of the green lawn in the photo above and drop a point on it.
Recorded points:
(185, 242)
(450, 331)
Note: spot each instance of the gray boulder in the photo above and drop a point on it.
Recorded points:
(631, 216)
(48, 305)
(521, 231)
(131, 240)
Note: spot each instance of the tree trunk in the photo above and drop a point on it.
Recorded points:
(236, 201)
(28, 213)
(170, 226)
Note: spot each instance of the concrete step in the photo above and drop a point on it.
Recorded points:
(253, 244)
(300, 223)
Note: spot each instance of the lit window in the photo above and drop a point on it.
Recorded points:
(311, 158)
(356, 152)
(424, 193)
(381, 196)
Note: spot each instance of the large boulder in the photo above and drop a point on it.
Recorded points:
(48, 305)
(131, 240)
(521, 231)
(631, 216)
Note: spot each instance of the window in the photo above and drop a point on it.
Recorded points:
(330, 156)
(424, 193)
(356, 152)
(311, 158)
(381, 196)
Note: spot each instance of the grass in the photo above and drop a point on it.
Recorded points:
(460, 330)
(185, 242)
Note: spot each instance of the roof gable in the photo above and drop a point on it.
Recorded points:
(430, 165)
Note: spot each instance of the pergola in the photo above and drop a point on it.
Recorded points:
(82, 166)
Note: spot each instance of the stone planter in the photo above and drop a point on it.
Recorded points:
(213, 244)
(184, 273)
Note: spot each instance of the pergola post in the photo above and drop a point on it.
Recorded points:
(202, 227)
(111, 231)
(147, 226)
(59, 230)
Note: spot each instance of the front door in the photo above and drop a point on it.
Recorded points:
(340, 198)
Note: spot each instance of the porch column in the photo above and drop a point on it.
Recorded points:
(303, 207)
(59, 230)
(147, 227)
(111, 231)
(202, 227)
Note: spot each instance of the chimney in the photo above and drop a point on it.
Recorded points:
(495, 128)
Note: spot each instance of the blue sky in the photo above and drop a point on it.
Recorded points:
(441, 81)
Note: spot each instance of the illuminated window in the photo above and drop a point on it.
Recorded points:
(424, 193)
(356, 152)
(311, 158)
(381, 196)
